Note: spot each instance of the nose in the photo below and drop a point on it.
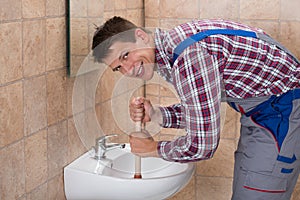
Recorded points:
(127, 67)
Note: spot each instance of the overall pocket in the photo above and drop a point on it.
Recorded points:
(265, 183)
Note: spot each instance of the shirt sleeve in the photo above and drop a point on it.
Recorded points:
(172, 117)
(197, 81)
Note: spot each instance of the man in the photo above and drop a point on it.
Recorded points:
(204, 59)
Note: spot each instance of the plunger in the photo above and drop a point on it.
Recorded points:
(137, 174)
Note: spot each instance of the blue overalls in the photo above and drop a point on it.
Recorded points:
(267, 161)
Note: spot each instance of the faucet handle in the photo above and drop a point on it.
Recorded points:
(102, 140)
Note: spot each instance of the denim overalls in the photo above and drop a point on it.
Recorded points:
(267, 161)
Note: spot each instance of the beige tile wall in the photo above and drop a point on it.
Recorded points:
(38, 136)
(33, 128)
(279, 18)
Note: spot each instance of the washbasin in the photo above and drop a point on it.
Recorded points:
(87, 178)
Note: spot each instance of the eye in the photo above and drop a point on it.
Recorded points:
(125, 56)
(116, 69)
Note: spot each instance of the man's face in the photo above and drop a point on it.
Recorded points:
(133, 59)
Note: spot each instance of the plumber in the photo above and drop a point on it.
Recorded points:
(209, 61)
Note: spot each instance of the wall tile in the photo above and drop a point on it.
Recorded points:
(11, 113)
(12, 171)
(35, 104)
(135, 16)
(109, 5)
(296, 193)
(40, 193)
(229, 128)
(213, 188)
(6, 12)
(56, 96)
(152, 8)
(259, 9)
(106, 85)
(55, 43)
(224, 155)
(11, 52)
(228, 9)
(290, 36)
(57, 148)
(188, 192)
(33, 8)
(121, 4)
(55, 7)
(79, 36)
(95, 8)
(79, 8)
(290, 10)
(271, 27)
(152, 23)
(56, 188)
(36, 160)
(178, 9)
(76, 147)
(134, 4)
(34, 47)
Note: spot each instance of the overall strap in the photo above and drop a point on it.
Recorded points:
(201, 35)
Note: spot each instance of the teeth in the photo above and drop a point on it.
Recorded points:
(140, 69)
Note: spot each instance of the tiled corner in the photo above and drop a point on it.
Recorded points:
(12, 171)
(34, 47)
(35, 107)
(57, 145)
(36, 160)
(11, 113)
(11, 52)
(56, 96)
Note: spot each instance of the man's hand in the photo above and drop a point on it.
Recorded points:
(140, 109)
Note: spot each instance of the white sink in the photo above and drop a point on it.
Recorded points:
(89, 179)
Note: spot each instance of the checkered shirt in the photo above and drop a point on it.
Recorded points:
(242, 66)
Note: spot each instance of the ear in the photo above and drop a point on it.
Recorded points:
(142, 35)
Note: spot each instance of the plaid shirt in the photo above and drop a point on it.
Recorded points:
(243, 67)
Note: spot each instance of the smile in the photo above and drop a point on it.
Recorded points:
(140, 70)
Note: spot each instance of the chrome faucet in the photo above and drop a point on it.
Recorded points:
(102, 147)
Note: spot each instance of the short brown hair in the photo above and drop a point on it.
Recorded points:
(105, 36)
